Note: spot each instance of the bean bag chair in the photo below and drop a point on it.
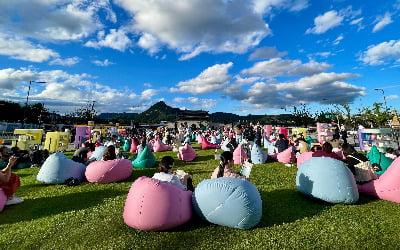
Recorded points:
(208, 145)
(199, 139)
(327, 179)
(258, 156)
(186, 153)
(223, 146)
(153, 205)
(146, 159)
(286, 156)
(284, 131)
(127, 145)
(158, 146)
(134, 145)
(216, 139)
(108, 171)
(387, 187)
(269, 145)
(239, 155)
(3, 199)
(57, 168)
(303, 157)
(376, 157)
(98, 153)
(230, 202)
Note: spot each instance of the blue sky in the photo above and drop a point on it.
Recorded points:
(238, 56)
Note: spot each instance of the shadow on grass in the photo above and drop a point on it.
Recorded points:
(287, 205)
(32, 209)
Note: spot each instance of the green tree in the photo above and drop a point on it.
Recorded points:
(375, 116)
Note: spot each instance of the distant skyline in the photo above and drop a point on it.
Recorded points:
(236, 56)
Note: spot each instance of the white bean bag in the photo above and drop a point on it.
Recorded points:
(108, 171)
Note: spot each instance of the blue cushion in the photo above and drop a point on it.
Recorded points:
(327, 179)
(258, 156)
(228, 202)
(58, 168)
(98, 153)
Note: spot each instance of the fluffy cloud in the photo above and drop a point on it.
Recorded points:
(116, 39)
(266, 6)
(196, 103)
(65, 62)
(21, 49)
(382, 53)
(325, 22)
(214, 78)
(279, 67)
(382, 21)
(11, 78)
(201, 26)
(104, 63)
(319, 88)
(266, 53)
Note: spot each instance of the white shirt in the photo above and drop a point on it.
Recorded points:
(169, 178)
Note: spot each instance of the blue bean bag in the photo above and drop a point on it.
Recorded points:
(327, 179)
(146, 159)
(270, 146)
(224, 145)
(228, 202)
(98, 153)
(258, 156)
(58, 168)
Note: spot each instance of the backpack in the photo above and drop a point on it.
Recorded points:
(364, 171)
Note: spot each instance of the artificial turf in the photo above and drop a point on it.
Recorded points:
(89, 216)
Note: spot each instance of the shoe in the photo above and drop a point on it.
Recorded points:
(12, 200)
(289, 165)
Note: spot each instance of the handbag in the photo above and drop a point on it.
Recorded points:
(364, 171)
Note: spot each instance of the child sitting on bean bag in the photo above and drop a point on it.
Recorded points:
(9, 182)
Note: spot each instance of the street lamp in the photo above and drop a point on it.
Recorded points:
(26, 103)
(384, 97)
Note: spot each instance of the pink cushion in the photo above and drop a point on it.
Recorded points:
(133, 147)
(287, 156)
(152, 205)
(108, 171)
(3, 199)
(208, 145)
(160, 147)
(303, 157)
(387, 187)
(186, 153)
(239, 155)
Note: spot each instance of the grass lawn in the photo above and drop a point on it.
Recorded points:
(89, 216)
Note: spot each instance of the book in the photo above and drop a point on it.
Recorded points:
(246, 169)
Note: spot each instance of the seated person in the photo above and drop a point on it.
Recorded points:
(141, 146)
(232, 145)
(391, 153)
(109, 154)
(281, 144)
(9, 182)
(326, 152)
(302, 146)
(165, 174)
(81, 155)
(4, 153)
(335, 142)
(225, 167)
(349, 150)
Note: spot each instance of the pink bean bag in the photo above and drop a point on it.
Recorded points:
(186, 153)
(287, 156)
(152, 205)
(387, 187)
(108, 171)
(208, 145)
(134, 145)
(160, 147)
(239, 155)
(303, 157)
(199, 139)
(3, 199)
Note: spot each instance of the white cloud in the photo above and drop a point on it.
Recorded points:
(104, 63)
(11, 78)
(382, 21)
(392, 97)
(202, 26)
(197, 103)
(266, 6)
(20, 49)
(318, 88)
(266, 53)
(382, 53)
(338, 40)
(65, 62)
(279, 67)
(116, 39)
(212, 79)
(325, 22)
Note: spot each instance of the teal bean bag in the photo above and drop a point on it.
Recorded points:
(146, 159)
(327, 179)
(58, 168)
(228, 202)
(127, 146)
(376, 157)
(257, 155)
